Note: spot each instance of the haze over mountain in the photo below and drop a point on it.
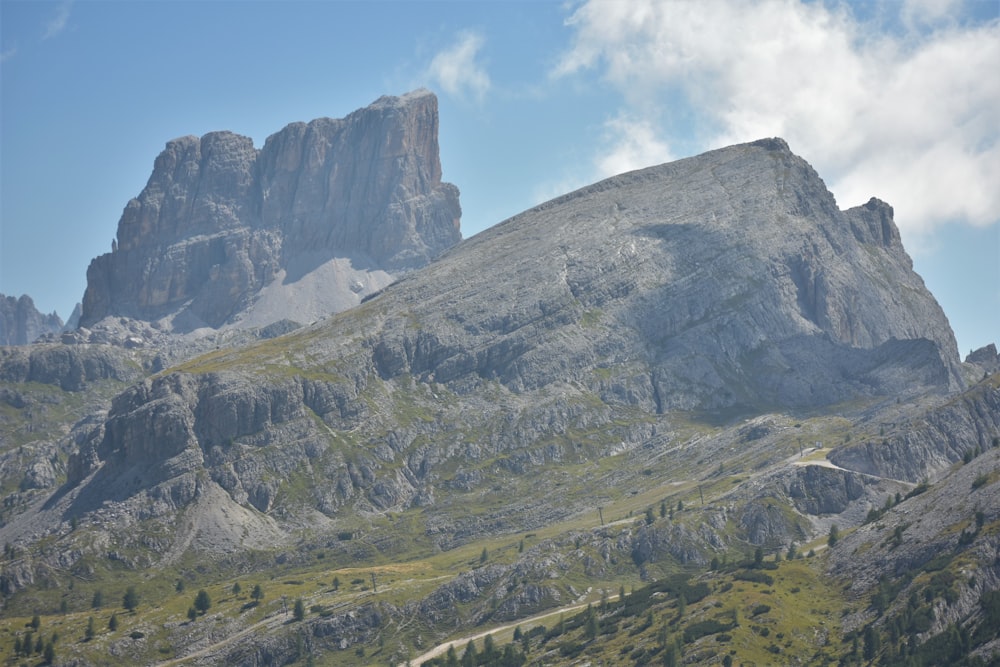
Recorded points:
(672, 333)
(323, 214)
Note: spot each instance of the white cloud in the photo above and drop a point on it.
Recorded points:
(911, 118)
(631, 144)
(456, 70)
(58, 22)
(8, 54)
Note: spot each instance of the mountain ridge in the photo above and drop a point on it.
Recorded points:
(489, 436)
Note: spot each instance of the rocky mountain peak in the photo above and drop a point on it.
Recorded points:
(21, 323)
(324, 213)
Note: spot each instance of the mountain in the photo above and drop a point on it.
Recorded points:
(325, 213)
(21, 323)
(656, 375)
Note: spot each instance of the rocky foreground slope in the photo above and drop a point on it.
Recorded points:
(325, 213)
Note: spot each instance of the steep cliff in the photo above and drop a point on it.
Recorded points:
(323, 214)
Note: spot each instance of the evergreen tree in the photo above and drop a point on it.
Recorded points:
(299, 611)
(670, 658)
(470, 658)
(89, 632)
(258, 593)
(17, 645)
(336, 583)
(483, 557)
(202, 602)
(833, 536)
(113, 622)
(131, 599)
(451, 658)
(591, 627)
(36, 622)
(49, 655)
(192, 613)
(871, 643)
(489, 649)
(98, 600)
(237, 589)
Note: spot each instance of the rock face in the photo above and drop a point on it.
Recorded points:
(21, 323)
(352, 200)
(728, 281)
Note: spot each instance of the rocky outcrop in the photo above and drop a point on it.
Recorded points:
(70, 368)
(356, 199)
(922, 449)
(21, 323)
(985, 358)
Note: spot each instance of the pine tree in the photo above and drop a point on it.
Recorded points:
(299, 611)
(202, 602)
(89, 632)
(131, 599)
(113, 622)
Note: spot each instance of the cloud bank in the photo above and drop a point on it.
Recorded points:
(902, 107)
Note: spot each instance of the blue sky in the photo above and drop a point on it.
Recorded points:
(899, 100)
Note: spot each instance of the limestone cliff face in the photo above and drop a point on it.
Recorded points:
(219, 220)
(21, 323)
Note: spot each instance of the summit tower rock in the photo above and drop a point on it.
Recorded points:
(324, 214)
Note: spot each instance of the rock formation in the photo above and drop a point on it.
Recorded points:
(728, 281)
(325, 213)
(21, 323)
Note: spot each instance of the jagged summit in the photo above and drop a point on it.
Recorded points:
(324, 213)
(21, 323)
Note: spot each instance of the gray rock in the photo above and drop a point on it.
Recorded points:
(219, 221)
(21, 323)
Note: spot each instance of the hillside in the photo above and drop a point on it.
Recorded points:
(680, 370)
